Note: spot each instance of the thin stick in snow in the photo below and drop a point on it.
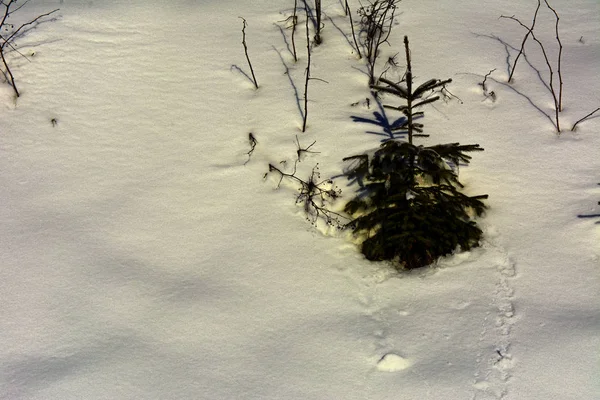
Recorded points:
(294, 22)
(524, 40)
(482, 84)
(246, 51)
(307, 71)
(560, 48)
(318, 22)
(253, 142)
(550, 70)
(349, 14)
(6, 41)
(584, 118)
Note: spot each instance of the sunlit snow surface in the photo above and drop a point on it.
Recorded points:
(144, 256)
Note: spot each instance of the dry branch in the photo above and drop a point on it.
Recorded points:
(305, 116)
(6, 41)
(349, 14)
(376, 20)
(523, 42)
(550, 69)
(253, 142)
(294, 23)
(318, 22)
(584, 118)
(560, 48)
(246, 51)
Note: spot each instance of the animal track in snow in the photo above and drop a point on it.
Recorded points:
(376, 309)
(494, 370)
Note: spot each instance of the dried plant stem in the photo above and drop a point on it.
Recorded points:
(318, 22)
(294, 22)
(550, 69)
(560, 48)
(7, 41)
(377, 20)
(305, 116)
(253, 142)
(584, 118)
(246, 52)
(349, 14)
(409, 99)
(524, 40)
(485, 79)
(10, 75)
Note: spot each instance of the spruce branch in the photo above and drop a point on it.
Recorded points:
(412, 215)
(393, 88)
(427, 101)
(432, 84)
(410, 97)
(408, 208)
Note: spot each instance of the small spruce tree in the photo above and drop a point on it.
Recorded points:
(409, 208)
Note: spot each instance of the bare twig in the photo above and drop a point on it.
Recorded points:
(349, 14)
(307, 72)
(253, 142)
(487, 94)
(560, 48)
(301, 150)
(447, 94)
(246, 51)
(314, 195)
(482, 84)
(318, 22)
(6, 41)
(584, 118)
(10, 75)
(590, 215)
(377, 20)
(14, 1)
(33, 21)
(550, 69)
(294, 23)
(524, 40)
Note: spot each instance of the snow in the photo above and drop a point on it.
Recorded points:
(392, 362)
(143, 258)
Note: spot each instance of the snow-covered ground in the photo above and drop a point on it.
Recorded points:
(144, 256)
